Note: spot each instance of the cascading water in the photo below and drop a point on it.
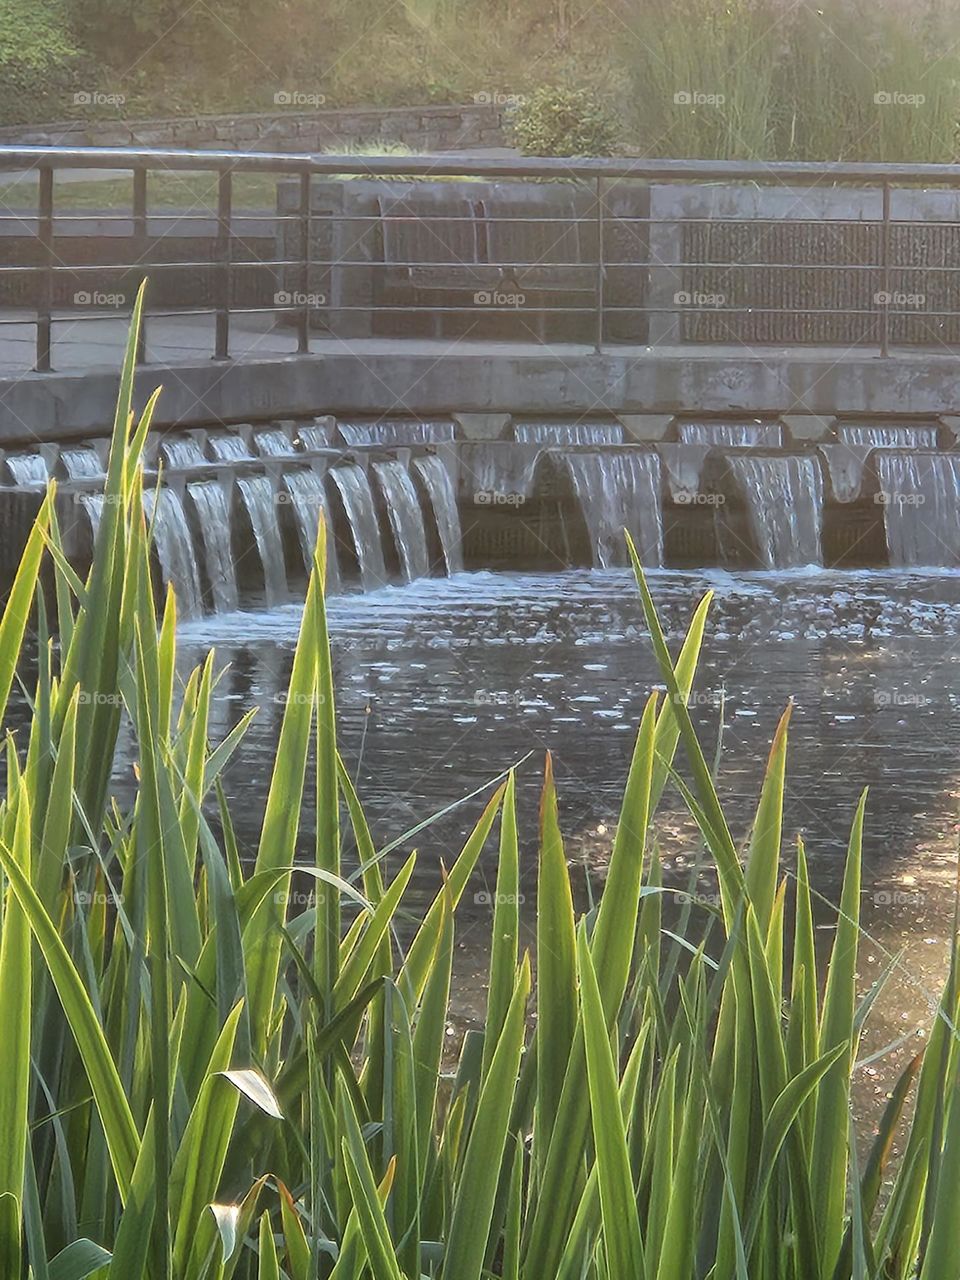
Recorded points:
(174, 547)
(93, 504)
(443, 498)
(260, 501)
(875, 435)
(313, 438)
(180, 453)
(396, 432)
(308, 499)
(228, 448)
(81, 464)
(406, 518)
(920, 493)
(213, 516)
(568, 433)
(784, 502)
(273, 444)
(27, 468)
(354, 489)
(734, 435)
(616, 491)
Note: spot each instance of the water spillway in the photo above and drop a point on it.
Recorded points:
(556, 434)
(238, 512)
(442, 495)
(406, 518)
(618, 490)
(309, 501)
(174, 548)
(352, 485)
(733, 435)
(259, 498)
(920, 497)
(783, 496)
(213, 517)
(878, 435)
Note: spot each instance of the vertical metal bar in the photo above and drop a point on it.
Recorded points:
(45, 292)
(598, 340)
(885, 263)
(224, 262)
(306, 232)
(140, 248)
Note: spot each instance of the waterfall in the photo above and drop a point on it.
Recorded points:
(260, 501)
(314, 438)
(92, 504)
(875, 435)
(213, 515)
(616, 491)
(228, 448)
(568, 433)
(406, 518)
(735, 435)
(182, 452)
(81, 464)
(784, 501)
(308, 499)
(920, 494)
(439, 486)
(174, 547)
(396, 431)
(273, 444)
(354, 489)
(27, 468)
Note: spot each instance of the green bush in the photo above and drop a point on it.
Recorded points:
(564, 122)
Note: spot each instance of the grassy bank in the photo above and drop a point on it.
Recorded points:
(210, 1070)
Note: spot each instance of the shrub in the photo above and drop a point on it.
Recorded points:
(564, 122)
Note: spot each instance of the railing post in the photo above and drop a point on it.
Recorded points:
(224, 261)
(306, 231)
(45, 239)
(885, 263)
(598, 339)
(140, 247)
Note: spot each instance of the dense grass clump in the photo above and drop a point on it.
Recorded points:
(201, 1080)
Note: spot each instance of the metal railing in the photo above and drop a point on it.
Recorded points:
(288, 251)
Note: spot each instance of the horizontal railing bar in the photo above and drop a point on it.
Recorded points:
(446, 165)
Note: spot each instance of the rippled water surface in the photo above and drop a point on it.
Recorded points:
(443, 683)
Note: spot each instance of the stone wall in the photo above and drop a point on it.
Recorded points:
(434, 128)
